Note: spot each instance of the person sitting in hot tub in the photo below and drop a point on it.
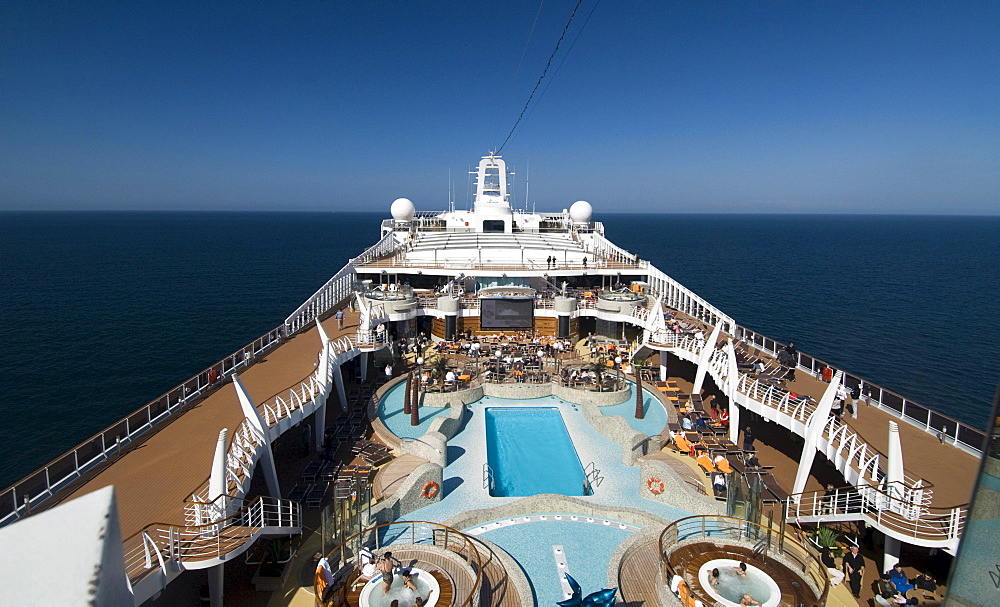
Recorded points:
(407, 574)
(747, 599)
(741, 570)
(713, 578)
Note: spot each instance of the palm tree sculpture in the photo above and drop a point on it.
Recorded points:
(407, 394)
(640, 411)
(415, 405)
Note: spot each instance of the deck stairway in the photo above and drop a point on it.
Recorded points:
(902, 511)
(159, 553)
(898, 511)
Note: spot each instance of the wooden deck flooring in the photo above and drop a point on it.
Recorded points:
(692, 556)
(639, 575)
(953, 472)
(392, 475)
(153, 480)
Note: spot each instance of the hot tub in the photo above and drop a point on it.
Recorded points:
(731, 586)
(372, 595)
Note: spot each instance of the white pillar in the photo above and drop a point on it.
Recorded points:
(891, 555)
(814, 429)
(364, 366)
(663, 366)
(266, 456)
(732, 381)
(338, 379)
(216, 585)
(894, 467)
(217, 480)
(706, 354)
(325, 383)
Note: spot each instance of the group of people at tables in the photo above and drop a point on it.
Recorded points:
(891, 588)
(894, 585)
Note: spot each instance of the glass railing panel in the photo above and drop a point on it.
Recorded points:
(916, 412)
(892, 401)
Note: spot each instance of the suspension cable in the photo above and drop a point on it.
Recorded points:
(542, 77)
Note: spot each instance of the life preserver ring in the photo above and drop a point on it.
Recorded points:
(655, 485)
(430, 489)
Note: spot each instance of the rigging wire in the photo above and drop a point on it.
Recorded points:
(542, 77)
(563, 60)
(517, 72)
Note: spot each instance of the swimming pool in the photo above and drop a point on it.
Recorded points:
(587, 548)
(530, 451)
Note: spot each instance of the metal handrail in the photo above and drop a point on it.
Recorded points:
(370, 534)
(55, 476)
(176, 543)
(793, 546)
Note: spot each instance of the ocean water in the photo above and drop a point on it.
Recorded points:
(103, 312)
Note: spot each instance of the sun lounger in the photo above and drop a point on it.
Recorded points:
(705, 462)
(682, 444)
(315, 496)
(298, 492)
(311, 472)
(722, 465)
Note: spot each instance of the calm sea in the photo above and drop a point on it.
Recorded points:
(105, 311)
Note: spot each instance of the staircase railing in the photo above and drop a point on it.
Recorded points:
(166, 546)
(900, 511)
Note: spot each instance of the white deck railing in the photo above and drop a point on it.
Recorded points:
(675, 295)
(174, 548)
(336, 290)
(902, 509)
(35, 489)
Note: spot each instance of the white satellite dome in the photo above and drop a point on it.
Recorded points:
(402, 209)
(581, 211)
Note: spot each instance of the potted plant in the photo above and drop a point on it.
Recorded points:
(827, 538)
(273, 569)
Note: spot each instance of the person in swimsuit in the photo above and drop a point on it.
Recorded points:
(748, 600)
(713, 579)
(386, 566)
(741, 570)
(408, 579)
(420, 602)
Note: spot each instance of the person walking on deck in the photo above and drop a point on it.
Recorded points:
(340, 319)
(854, 568)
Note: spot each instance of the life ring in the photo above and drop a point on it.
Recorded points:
(430, 489)
(655, 485)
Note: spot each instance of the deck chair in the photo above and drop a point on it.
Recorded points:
(315, 496)
(311, 472)
(683, 445)
(705, 463)
(722, 465)
(298, 492)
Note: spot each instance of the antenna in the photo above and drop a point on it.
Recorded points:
(527, 176)
(451, 199)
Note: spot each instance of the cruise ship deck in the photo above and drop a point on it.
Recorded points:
(208, 469)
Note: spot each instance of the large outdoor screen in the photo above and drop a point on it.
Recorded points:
(506, 313)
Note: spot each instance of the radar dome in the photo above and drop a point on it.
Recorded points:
(581, 211)
(402, 209)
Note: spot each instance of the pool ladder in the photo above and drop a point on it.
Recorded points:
(488, 482)
(592, 478)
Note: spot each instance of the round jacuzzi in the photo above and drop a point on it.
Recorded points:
(372, 595)
(732, 587)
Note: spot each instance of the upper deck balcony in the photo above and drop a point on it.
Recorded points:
(516, 252)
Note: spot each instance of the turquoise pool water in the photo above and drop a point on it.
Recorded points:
(587, 547)
(390, 409)
(655, 419)
(531, 452)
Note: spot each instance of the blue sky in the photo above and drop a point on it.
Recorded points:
(885, 107)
